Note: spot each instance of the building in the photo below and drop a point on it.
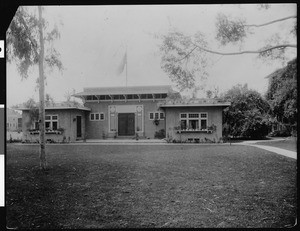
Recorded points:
(127, 112)
(64, 122)
(13, 120)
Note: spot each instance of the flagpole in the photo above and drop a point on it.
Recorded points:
(126, 65)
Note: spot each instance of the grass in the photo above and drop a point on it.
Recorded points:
(290, 145)
(99, 186)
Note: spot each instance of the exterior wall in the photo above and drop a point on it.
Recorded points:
(65, 121)
(96, 129)
(12, 120)
(214, 117)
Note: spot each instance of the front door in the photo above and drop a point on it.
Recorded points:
(126, 124)
(78, 121)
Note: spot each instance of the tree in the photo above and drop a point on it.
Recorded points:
(282, 95)
(185, 57)
(248, 114)
(25, 46)
(49, 101)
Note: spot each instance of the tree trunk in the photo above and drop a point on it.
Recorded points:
(43, 163)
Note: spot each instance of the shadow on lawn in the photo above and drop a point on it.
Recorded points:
(39, 199)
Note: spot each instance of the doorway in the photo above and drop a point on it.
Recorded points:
(126, 124)
(78, 123)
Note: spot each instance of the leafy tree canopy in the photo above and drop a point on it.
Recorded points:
(185, 58)
(22, 39)
(282, 93)
(248, 114)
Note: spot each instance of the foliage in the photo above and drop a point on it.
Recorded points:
(181, 64)
(33, 109)
(282, 94)
(247, 116)
(185, 57)
(49, 101)
(22, 42)
(160, 134)
(174, 96)
(230, 30)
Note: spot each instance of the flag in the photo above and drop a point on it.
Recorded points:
(122, 64)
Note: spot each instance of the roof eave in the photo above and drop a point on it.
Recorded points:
(59, 108)
(196, 105)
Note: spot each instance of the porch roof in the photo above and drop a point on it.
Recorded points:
(195, 103)
(159, 89)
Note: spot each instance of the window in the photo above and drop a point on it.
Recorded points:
(101, 116)
(194, 121)
(51, 122)
(96, 116)
(156, 115)
(92, 116)
(36, 125)
(203, 120)
(151, 116)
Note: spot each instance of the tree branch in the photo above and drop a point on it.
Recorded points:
(247, 52)
(187, 54)
(271, 22)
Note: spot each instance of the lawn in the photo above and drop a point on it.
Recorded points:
(130, 186)
(290, 145)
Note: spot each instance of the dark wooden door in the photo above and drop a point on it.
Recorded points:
(78, 122)
(126, 124)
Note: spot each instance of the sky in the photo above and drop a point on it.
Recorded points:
(94, 40)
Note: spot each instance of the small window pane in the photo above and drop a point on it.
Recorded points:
(36, 125)
(47, 125)
(203, 115)
(193, 124)
(182, 115)
(47, 117)
(92, 116)
(54, 117)
(203, 124)
(151, 115)
(162, 115)
(193, 115)
(101, 116)
(183, 124)
(156, 115)
(97, 116)
(149, 96)
(54, 125)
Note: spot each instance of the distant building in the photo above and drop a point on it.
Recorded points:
(124, 112)
(13, 120)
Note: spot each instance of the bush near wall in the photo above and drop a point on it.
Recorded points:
(160, 134)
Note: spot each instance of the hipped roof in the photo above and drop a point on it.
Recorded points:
(125, 90)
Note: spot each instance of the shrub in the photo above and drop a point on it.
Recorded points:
(160, 134)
